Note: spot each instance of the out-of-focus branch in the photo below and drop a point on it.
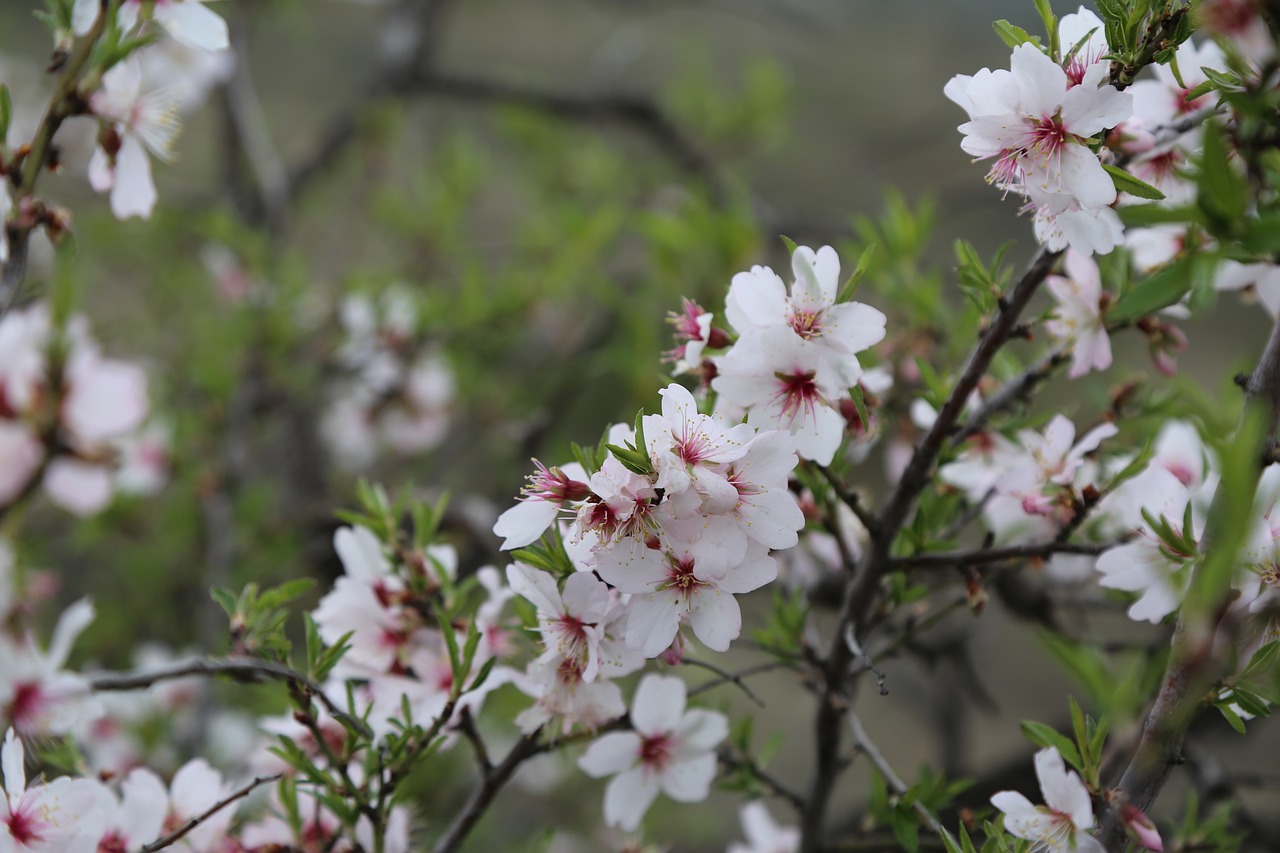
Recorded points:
(634, 111)
(409, 37)
(251, 148)
(774, 786)
(235, 796)
(1198, 658)
(231, 667)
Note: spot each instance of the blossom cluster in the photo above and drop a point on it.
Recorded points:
(394, 391)
(71, 419)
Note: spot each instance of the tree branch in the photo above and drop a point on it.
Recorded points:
(232, 667)
(861, 592)
(863, 743)
(1013, 392)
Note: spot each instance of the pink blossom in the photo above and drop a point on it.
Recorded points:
(1077, 317)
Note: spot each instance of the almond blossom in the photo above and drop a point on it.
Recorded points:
(63, 815)
(670, 751)
(37, 695)
(758, 299)
(1077, 318)
(785, 382)
(1061, 825)
(1051, 460)
(138, 818)
(689, 449)
(548, 492)
(141, 123)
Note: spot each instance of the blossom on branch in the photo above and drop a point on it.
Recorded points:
(1061, 825)
(670, 751)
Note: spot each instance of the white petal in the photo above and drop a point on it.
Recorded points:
(1063, 791)
(524, 523)
(716, 618)
(628, 797)
(134, 193)
(191, 23)
(658, 705)
(688, 780)
(610, 753)
(78, 487)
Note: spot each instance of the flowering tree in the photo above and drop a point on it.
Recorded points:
(730, 529)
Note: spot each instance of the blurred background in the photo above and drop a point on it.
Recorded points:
(540, 183)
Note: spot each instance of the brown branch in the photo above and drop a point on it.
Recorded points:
(1199, 656)
(239, 794)
(232, 667)
(634, 111)
(851, 499)
(861, 592)
(726, 677)
(770, 782)
(1014, 391)
(492, 782)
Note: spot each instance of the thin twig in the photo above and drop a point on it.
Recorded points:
(850, 498)
(64, 103)
(863, 743)
(726, 677)
(770, 782)
(1012, 392)
(239, 794)
(232, 667)
(467, 726)
(983, 556)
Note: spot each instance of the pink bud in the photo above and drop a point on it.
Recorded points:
(1144, 832)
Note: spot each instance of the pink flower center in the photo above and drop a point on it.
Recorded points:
(693, 448)
(1047, 136)
(554, 486)
(655, 752)
(113, 843)
(25, 827)
(569, 673)
(798, 394)
(27, 701)
(681, 578)
(806, 324)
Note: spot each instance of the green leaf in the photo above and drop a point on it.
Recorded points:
(1221, 191)
(6, 114)
(789, 243)
(225, 598)
(1231, 717)
(906, 827)
(1129, 184)
(1042, 735)
(1262, 235)
(1159, 290)
(1050, 25)
(861, 405)
(864, 262)
(1013, 35)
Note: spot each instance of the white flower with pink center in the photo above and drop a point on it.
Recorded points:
(1077, 317)
(549, 490)
(671, 751)
(689, 449)
(1083, 40)
(560, 692)
(145, 123)
(138, 818)
(694, 333)
(1050, 462)
(758, 299)
(38, 696)
(1062, 824)
(188, 21)
(64, 815)
(366, 602)
(571, 623)
(785, 382)
(619, 507)
(670, 583)
(1040, 138)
